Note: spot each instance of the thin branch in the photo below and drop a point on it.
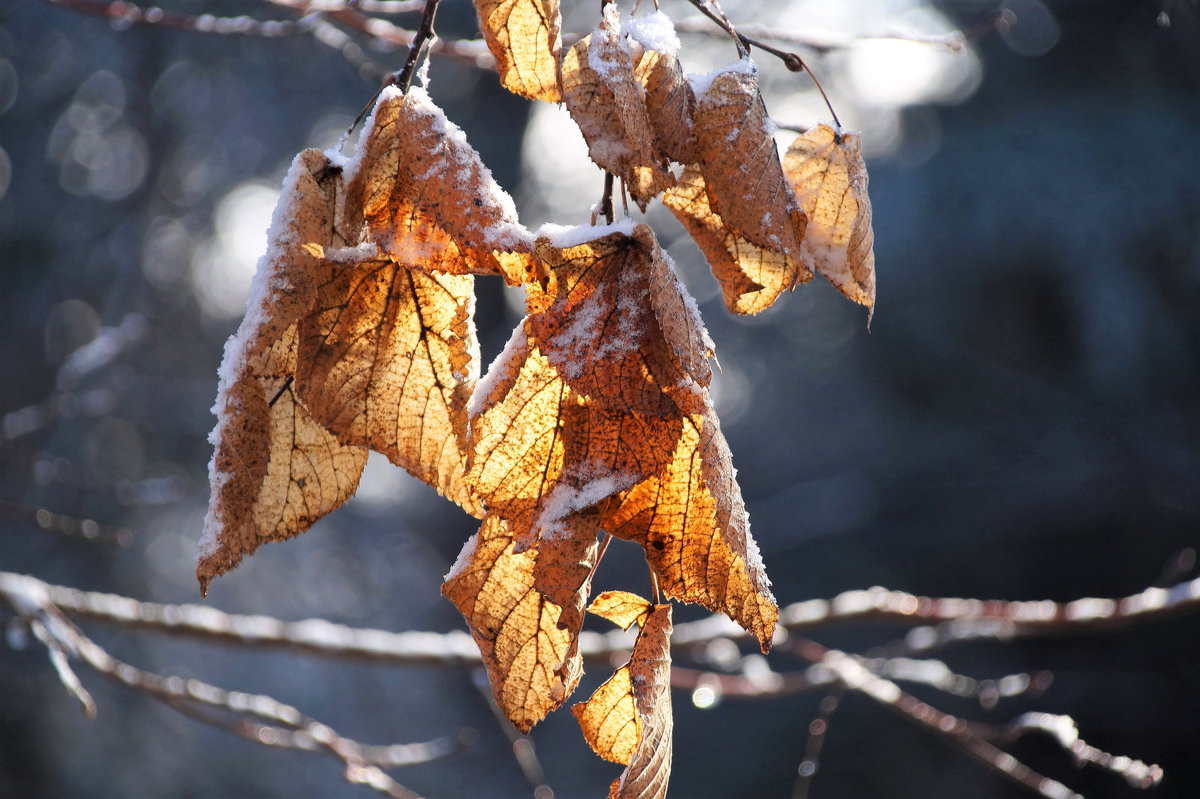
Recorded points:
(992, 619)
(70, 526)
(1063, 730)
(126, 14)
(827, 41)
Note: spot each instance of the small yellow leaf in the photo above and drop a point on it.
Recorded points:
(533, 663)
(524, 37)
(621, 608)
(827, 173)
(628, 719)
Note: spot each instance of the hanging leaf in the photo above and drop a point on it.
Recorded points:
(828, 175)
(670, 105)
(692, 523)
(736, 201)
(609, 105)
(524, 36)
(564, 563)
(532, 663)
(275, 471)
(388, 359)
(628, 719)
(426, 197)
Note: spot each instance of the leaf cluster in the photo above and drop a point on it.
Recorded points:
(596, 420)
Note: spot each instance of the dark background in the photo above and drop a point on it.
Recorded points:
(1021, 421)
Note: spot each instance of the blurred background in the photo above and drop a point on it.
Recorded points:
(1021, 421)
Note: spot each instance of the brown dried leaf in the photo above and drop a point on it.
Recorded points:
(532, 663)
(609, 105)
(428, 200)
(670, 105)
(524, 36)
(623, 609)
(275, 471)
(829, 178)
(693, 525)
(751, 277)
(628, 719)
(388, 359)
(564, 565)
(601, 331)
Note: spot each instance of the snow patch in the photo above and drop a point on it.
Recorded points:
(701, 83)
(565, 500)
(653, 32)
(502, 368)
(465, 556)
(562, 237)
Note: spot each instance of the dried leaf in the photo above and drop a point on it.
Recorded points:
(275, 471)
(388, 359)
(628, 719)
(751, 277)
(524, 36)
(829, 178)
(601, 331)
(621, 608)
(670, 105)
(693, 525)
(428, 200)
(516, 434)
(609, 105)
(736, 201)
(564, 565)
(532, 663)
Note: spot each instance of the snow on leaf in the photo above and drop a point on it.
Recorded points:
(692, 523)
(524, 36)
(628, 719)
(827, 174)
(388, 359)
(533, 664)
(609, 105)
(425, 195)
(564, 565)
(275, 471)
(601, 331)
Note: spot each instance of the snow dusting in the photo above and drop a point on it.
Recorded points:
(502, 368)
(464, 558)
(701, 83)
(565, 499)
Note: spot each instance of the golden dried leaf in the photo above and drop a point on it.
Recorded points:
(692, 523)
(609, 105)
(427, 199)
(628, 719)
(670, 105)
(829, 178)
(677, 315)
(751, 277)
(275, 471)
(524, 36)
(388, 359)
(623, 609)
(516, 434)
(600, 331)
(532, 663)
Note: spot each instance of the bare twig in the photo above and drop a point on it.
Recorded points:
(125, 14)
(1063, 730)
(71, 526)
(826, 41)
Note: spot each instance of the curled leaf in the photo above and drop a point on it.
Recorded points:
(628, 719)
(609, 105)
(670, 105)
(828, 175)
(275, 471)
(524, 36)
(532, 662)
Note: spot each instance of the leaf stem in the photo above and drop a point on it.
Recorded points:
(403, 76)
